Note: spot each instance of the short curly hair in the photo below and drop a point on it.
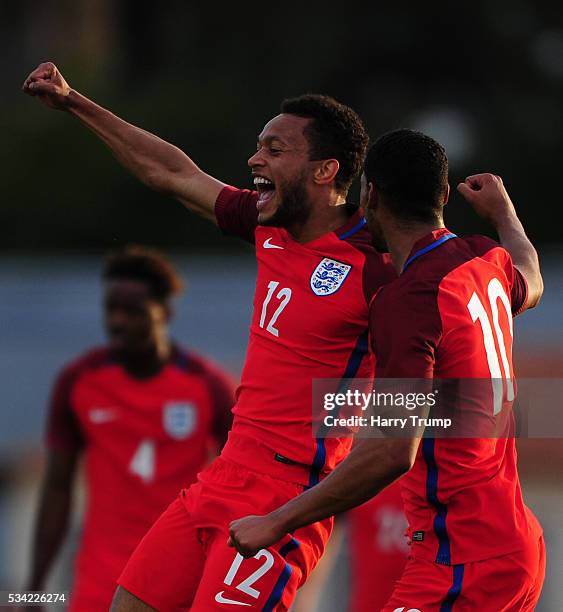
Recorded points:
(147, 266)
(411, 170)
(335, 132)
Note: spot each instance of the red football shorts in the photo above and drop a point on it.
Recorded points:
(184, 563)
(511, 583)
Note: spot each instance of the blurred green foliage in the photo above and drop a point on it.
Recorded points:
(207, 76)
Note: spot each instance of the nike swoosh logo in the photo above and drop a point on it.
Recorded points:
(268, 245)
(220, 599)
(101, 415)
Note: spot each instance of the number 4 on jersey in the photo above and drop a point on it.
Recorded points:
(475, 306)
(143, 461)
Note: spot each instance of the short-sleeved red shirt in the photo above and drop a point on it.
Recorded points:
(310, 321)
(142, 440)
(449, 316)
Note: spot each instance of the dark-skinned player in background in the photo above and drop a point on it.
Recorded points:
(317, 272)
(475, 545)
(145, 415)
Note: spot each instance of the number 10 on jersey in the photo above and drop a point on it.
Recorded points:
(478, 313)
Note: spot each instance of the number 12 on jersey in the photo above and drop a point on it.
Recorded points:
(283, 295)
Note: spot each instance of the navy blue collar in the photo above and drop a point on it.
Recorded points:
(445, 235)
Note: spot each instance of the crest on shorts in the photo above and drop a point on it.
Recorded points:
(329, 276)
(179, 419)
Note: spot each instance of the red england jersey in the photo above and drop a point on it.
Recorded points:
(449, 316)
(310, 321)
(143, 440)
(378, 549)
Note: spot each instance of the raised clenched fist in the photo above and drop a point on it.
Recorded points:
(488, 197)
(48, 84)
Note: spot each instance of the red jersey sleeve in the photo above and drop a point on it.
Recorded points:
(405, 330)
(518, 292)
(236, 213)
(517, 282)
(63, 431)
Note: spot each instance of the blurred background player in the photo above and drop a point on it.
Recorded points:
(378, 549)
(145, 415)
(372, 540)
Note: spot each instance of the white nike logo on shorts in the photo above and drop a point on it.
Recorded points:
(220, 599)
(268, 245)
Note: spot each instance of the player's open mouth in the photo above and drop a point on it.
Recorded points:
(266, 189)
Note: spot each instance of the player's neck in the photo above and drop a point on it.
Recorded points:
(148, 363)
(401, 238)
(322, 220)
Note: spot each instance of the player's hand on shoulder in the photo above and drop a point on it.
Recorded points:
(488, 196)
(252, 533)
(48, 84)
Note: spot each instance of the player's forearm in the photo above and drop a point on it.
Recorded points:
(371, 466)
(160, 165)
(50, 530)
(513, 238)
(488, 197)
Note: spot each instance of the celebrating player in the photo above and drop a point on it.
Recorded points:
(317, 272)
(475, 545)
(144, 413)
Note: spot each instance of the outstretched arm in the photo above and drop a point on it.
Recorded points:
(160, 165)
(490, 200)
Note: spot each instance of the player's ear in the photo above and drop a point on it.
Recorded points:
(372, 196)
(446, 195)
(326, 171)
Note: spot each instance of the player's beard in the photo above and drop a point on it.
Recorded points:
(294, 207)
(377, 237)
